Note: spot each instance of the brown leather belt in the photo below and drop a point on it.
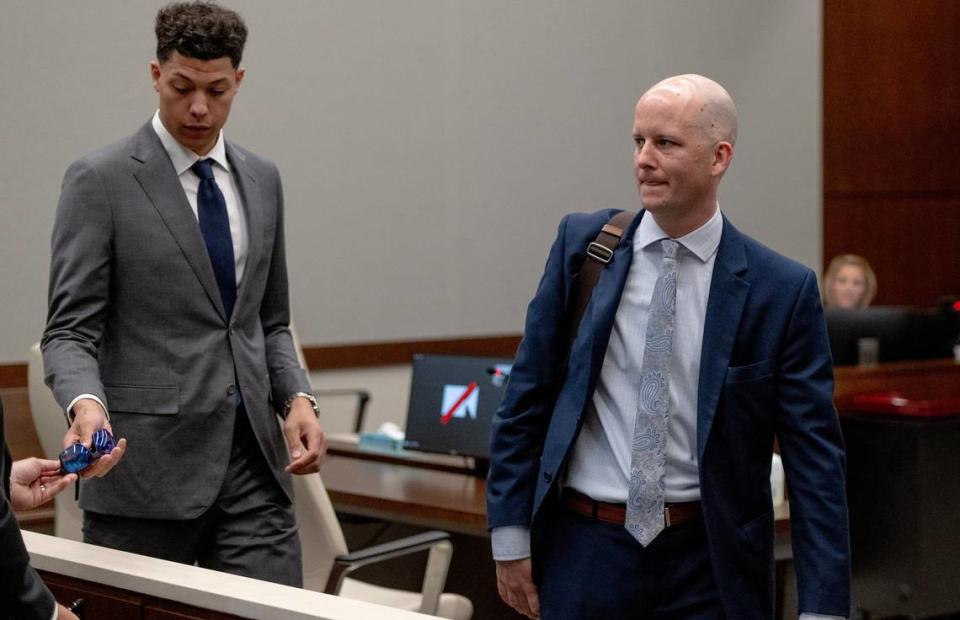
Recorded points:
(673, 514)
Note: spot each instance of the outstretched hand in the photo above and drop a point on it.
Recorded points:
(34, 481)
(89, 417)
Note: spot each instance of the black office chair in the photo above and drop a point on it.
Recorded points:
(363, 398)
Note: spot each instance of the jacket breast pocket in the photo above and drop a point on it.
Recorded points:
(156, 400)
(750, 372)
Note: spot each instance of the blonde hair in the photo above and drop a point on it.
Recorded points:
(842, 261)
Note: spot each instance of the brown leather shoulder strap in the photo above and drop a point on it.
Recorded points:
(599, 253)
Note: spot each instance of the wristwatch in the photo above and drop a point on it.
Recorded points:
(295, 396)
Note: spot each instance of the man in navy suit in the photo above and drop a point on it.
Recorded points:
(747, 360)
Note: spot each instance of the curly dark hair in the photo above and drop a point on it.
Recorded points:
(201, 30)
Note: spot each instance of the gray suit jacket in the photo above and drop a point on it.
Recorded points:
(136, 319)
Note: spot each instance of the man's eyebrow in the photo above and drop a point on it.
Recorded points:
(187, 78)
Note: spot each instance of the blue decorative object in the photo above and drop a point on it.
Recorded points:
(77, 457)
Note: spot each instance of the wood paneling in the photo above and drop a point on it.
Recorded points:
(117, 604)
(911, 243)
(13, 375)
(20, 433)
(891, 142)
(891, 82)
(387, 353)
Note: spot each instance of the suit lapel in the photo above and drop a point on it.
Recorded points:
(253, 210)
(728, 294)
(159, 181)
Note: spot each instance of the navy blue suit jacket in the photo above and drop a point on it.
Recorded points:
(765, 371)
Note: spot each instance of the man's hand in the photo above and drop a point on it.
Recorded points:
(65, 614)
(89, 417)
(34, 481)
(515, 585)
(305, 438)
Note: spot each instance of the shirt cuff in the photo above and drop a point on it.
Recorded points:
(510, 542)
(806, 616)
(73, 402)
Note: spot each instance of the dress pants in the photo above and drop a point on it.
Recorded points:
(250, 530)
(586, 568)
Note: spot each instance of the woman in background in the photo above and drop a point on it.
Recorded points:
(849, 283)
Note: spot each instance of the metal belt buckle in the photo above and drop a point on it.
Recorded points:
(666, 516)
(599, 252)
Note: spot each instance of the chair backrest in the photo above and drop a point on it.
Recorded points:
(321, 538)
(51, 426)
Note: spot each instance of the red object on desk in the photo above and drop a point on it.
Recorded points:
(895, 403)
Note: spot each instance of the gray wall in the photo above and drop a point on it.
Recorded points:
(428, 147)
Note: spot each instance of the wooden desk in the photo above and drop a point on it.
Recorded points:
(926, 379)
(406, 493)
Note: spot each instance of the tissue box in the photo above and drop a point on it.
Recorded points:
(379, 442)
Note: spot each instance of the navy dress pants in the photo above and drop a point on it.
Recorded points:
(585, 569)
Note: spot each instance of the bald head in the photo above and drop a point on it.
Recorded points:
(708, 105)
(684, 129)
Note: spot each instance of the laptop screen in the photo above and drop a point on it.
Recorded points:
(452, 402)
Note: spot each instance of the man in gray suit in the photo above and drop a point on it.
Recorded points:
(169, 310)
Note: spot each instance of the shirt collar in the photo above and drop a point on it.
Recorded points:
(702, 242)
(182, 157)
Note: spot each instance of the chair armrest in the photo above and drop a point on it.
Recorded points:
(435, 576)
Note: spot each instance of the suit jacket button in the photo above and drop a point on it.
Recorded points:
(547, 477)
(231, 389)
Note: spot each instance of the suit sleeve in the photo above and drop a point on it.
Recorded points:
(79, 286)
(813, 456)
(520, 424)
(22, 592)
(286, 375)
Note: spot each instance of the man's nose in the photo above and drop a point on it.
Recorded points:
(643, 156)
(198, 106)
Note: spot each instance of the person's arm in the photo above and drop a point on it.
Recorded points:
(519, 430)
(520, 423)
(305, 437)
(78, 298)
(511, 551)
(23, 593)
(811, 445)
(34, 481)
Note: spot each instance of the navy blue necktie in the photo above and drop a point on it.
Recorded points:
(215, 226)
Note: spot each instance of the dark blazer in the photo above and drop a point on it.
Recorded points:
(136, 319)
(765, 371)
(22, 594)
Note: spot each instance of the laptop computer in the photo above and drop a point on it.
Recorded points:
(452, 403)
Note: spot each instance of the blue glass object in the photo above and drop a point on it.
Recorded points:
(102, 442)
(77, 457)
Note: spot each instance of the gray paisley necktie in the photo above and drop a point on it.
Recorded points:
(644, 518)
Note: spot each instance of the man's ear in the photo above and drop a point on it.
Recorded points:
(155, 74)
(722, 156)
(240, 73)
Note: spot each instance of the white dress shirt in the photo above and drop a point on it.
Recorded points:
(600, 461)
(182, 158)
